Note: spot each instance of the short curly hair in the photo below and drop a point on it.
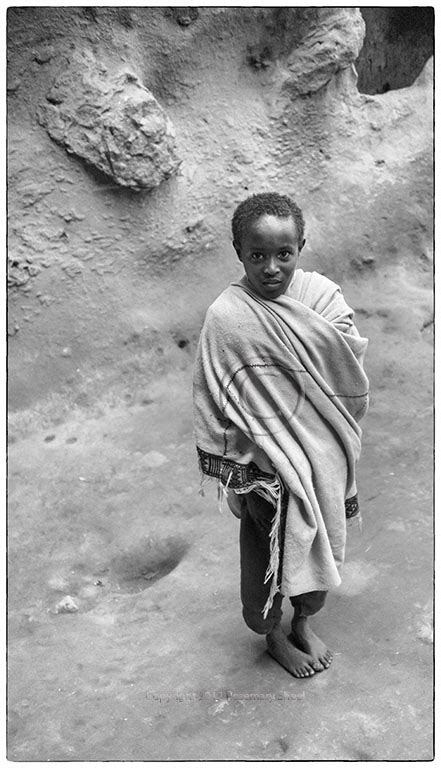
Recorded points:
(262, 204)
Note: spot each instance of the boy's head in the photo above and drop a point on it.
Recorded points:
(269, 204)
(268, 233)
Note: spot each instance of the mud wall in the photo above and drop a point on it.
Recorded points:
(109, 284)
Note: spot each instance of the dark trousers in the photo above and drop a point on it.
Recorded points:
(255, 526)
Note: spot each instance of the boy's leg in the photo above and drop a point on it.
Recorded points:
(309, 603)
(255, 527)
(301, 633)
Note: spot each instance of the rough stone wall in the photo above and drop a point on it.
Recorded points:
(109, 281)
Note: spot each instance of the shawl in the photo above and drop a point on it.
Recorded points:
(278, 391)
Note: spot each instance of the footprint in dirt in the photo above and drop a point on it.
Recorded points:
(127, 573)
(137, 570)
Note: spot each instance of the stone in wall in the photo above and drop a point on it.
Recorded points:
(332, 41)
(113, 123)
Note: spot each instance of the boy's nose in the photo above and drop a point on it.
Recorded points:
(271, 267)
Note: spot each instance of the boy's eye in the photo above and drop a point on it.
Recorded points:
(284, 255)
(256, 256)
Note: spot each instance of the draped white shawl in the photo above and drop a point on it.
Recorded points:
(279, 389)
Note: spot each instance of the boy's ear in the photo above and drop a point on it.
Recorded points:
(236, 247)
(302, 245)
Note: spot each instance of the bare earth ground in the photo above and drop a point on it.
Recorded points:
(156, 663)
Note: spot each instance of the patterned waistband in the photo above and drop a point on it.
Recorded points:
(236, 476)
(351, 506)
(243, 476)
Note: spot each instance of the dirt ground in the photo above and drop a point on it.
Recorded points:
(152, 660)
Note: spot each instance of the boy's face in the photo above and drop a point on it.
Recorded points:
(269, 252)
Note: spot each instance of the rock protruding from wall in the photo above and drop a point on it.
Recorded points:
(113, 123)
(332, 41)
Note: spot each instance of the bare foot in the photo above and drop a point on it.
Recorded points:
(293, 659)
(304, 638)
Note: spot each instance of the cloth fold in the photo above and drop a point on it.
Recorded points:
(279, 389)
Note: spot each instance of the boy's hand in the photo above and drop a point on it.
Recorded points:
(236, 503)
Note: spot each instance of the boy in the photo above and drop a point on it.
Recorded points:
(279, 389)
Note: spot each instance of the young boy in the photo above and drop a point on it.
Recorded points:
(279, 389)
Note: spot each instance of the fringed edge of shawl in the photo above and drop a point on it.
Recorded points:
(272, 572)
